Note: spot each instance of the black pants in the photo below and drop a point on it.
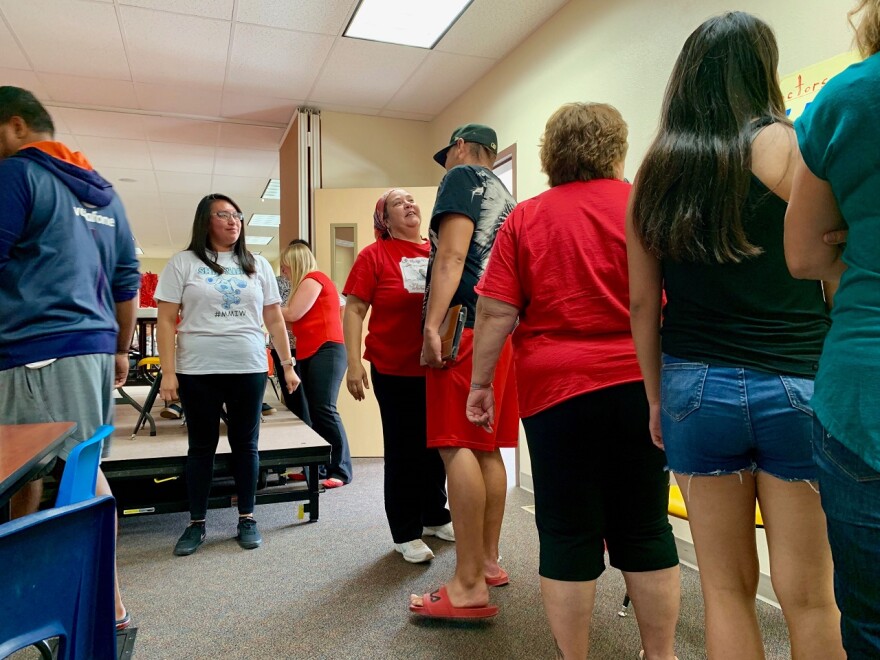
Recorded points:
(322, 374)
(415, 479)
(203, 397)
(599, 480)
(296, 402)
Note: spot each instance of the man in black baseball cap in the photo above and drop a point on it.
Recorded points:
(470, 208)
(476, 133)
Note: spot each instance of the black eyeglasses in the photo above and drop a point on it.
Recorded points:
(228, 215)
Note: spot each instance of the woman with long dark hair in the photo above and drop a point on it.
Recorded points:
(223, 295)
(729, 375)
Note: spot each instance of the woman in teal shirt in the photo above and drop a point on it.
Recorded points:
(837, 186)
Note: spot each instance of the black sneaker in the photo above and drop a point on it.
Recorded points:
(193, 536)
(248, 534)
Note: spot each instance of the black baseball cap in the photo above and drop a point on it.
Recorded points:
(478, 133)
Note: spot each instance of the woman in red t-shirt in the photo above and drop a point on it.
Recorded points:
(313, 313)
(389, 275)
(559, 264)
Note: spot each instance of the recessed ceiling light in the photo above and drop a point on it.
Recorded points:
(273, 190)
(264, 220)
(126, 179)
(256, 252)
(258, 240)
(137, 250)
(419, 23)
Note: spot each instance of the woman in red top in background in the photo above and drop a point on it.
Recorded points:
(313, 313)
(390, 275)
(559, 264)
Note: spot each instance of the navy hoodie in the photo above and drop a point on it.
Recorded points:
(66, 256)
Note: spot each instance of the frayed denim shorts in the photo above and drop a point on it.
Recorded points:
(724, 420)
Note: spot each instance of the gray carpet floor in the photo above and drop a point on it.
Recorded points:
(336, 589)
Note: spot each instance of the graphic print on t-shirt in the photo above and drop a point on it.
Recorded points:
(229, 285)
(414, 271)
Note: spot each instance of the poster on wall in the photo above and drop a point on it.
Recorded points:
(800, 88)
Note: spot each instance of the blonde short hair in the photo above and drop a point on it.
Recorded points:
(300, 261)
(583, 141)
(868, 29)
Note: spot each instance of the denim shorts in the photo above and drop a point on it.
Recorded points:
(722, 420)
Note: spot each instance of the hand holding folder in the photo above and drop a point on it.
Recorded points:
(450, 333)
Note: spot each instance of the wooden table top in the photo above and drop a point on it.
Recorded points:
(24, 446)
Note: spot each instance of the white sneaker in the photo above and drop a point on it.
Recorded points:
(444, 532)
(415, 551)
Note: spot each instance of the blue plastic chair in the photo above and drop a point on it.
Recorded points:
(81, 470)
(58, 580)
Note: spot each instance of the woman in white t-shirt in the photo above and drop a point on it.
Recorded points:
(223, 295)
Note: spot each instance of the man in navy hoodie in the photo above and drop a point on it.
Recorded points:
(68, 286)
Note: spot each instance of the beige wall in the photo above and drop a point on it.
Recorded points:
(152, 265)
(355, 206)
(358, 151)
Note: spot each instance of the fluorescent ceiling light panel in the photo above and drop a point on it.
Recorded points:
(137, 250)
(256, 252)
(258, 240)
(419, 23)
(273, 190)
(264, 220)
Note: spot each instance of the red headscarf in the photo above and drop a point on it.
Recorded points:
(380, 224)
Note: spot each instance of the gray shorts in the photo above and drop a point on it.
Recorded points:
(74, 389)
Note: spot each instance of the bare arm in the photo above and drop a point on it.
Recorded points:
(126, 317)
(166, 330)
(274, 323)
(453, 240)
(495, 321)
(353, 331)
(645, 299)
(812, 213)
(301, 300)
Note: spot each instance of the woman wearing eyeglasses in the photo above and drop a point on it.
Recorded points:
(223, 295)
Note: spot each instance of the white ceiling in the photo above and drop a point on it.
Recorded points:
(188, 97)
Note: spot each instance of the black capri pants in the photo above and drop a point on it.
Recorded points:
(599, 482)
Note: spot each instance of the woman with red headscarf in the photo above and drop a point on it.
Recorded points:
(389, 275)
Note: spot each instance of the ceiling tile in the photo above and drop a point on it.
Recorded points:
(179, 99)
(258, 108)
(142, 182)
(181, 130)
(245, 162)
(274, 62)
(439, 81)
(52, 46)
(174, 49)
(102, 123)
(492, 28)
(250, 137)
(326, 17)
(113, 152)
(182, 182)
(26, 80)
(10, 54)
(239, 186)
(182, 157)
(365, 73)
(89, 91)
(205, 8)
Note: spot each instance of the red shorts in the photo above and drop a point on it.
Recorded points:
(447, 392)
